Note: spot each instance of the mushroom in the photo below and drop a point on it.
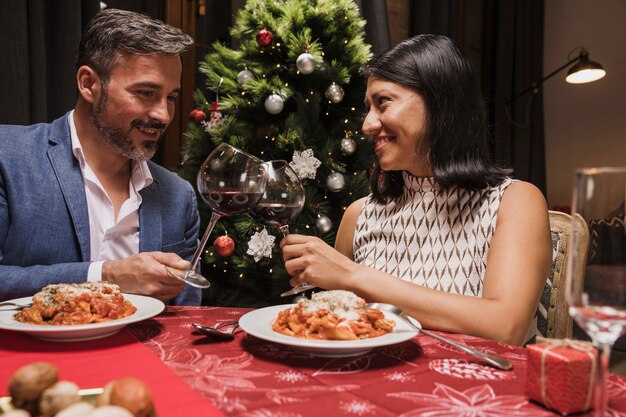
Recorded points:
(105, 397)
(132, 394)
(57, 397)
(16, 413)
(29, 382)
(110, 411)
(79, 409)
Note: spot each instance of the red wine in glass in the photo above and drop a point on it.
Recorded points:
(230, 182)
(231, 202)
(275, 214)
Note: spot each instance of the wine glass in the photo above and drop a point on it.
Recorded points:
(230, 182)
(283, 198)
(598, 303)
(281, 202)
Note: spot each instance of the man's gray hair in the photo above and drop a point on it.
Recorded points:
(113, 32)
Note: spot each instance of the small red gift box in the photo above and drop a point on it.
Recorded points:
(560, 374)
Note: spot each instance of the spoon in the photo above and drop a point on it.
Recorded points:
(495, 361)
(215, 331)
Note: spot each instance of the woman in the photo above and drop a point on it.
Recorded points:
(445, 234)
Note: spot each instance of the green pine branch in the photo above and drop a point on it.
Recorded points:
(332, 31)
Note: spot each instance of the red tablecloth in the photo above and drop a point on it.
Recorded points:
(251, 377)
(93, 363)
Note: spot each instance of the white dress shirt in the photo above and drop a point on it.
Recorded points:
(110, 238)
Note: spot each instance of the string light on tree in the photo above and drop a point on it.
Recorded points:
(334, 93)
(335, 182)
(274, 103)
(305, 63)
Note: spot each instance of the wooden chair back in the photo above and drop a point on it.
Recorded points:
(554, 320)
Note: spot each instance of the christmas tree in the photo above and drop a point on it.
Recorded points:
(293, 90)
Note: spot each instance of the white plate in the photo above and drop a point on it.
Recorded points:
(258, 323)
(146, 307)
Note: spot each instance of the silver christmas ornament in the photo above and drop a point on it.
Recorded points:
(323, 224)
(274, 104)
(348, 146)
(244, 76)
(216, 165)
(305, 63)
(335, 182)
(334, 93)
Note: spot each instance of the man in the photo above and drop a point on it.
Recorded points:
(79, 198)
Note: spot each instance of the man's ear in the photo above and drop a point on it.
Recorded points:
(89, 84)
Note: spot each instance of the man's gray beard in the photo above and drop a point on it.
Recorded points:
(117, 137)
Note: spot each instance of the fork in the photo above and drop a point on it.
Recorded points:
(492, 360)
(216, 331)
(13, 306)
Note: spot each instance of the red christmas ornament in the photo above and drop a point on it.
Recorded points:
(197, 116)
(264, 37)
(224, 246)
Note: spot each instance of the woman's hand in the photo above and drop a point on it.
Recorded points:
(309, 259)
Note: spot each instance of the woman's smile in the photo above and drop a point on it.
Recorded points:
(380, 142)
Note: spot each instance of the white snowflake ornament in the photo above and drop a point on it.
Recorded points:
(216, 119)
(261, 245)
(305, 164)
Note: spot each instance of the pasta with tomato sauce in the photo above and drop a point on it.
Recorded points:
(82, 303)
(333, 315)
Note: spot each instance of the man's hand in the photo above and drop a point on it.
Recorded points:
(145, 274)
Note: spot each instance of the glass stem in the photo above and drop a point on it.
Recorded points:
(305, 285)
(601, 400)
(198, 253)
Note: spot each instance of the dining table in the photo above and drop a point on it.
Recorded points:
(194, 375)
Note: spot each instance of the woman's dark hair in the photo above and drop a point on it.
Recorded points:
(456, 137)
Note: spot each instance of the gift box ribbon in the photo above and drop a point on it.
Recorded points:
(568, 343)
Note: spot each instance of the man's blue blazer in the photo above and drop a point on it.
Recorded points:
(44, 224)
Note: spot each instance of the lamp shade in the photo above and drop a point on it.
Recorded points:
(584, 71)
